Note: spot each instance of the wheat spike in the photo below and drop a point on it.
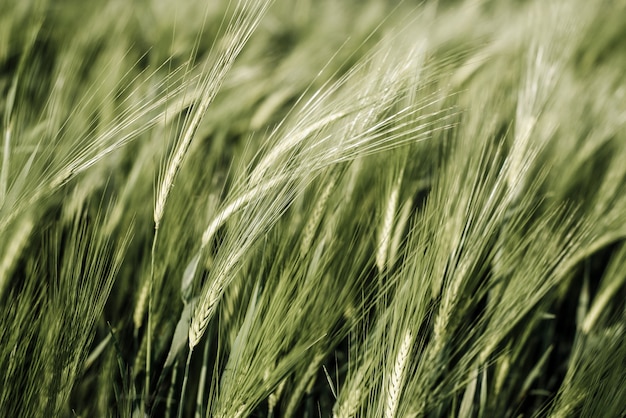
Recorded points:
(235, 205)
(140, 306)
(202, 315)
(403, 218)
(348, 405)
(394, 387)
(274, 397)
(316, 215)
(242, 26)
(384, 237)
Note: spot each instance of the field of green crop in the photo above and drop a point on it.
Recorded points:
(313, 208)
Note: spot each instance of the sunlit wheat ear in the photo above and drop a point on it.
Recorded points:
(202, 314)
(141, 305)
(348, 405)
(223, 273)
(274, 397)
(540, 79)
(241, 27)
(292, 140)
(237, 204)
(204, 311)
(384, 235)
(398, 231)
(396, 379)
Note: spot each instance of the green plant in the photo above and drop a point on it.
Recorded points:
(299, 208)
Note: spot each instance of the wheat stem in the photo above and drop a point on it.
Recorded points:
(202, 379)
(183, 389)
(170, 393)
(149, 327)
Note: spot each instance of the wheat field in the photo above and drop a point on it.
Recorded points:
(298, 208)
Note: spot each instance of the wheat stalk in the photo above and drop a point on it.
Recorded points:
(247, 17)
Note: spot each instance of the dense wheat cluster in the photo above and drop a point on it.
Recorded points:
(313, 208)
